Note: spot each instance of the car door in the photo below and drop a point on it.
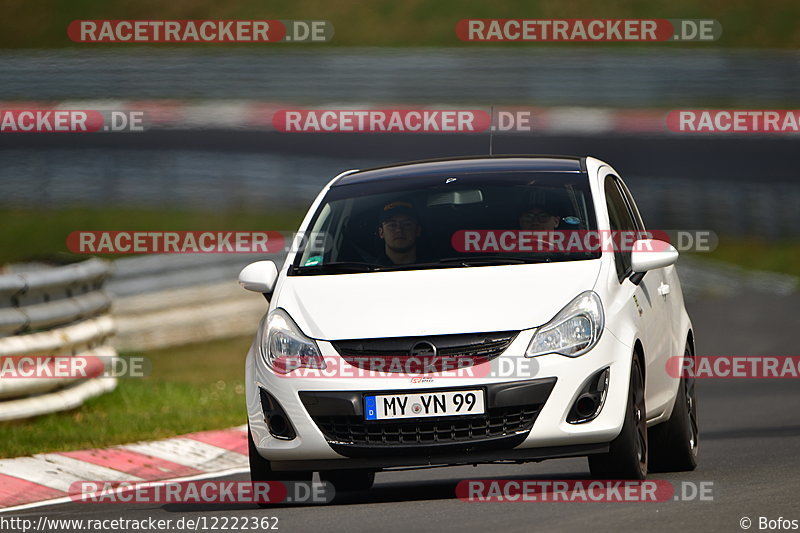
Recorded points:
(653, 319)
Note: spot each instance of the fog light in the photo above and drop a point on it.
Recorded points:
(276, 419)
(590, 399)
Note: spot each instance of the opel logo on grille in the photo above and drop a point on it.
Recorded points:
(423, 349)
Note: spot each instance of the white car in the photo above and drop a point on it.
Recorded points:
(435, 321)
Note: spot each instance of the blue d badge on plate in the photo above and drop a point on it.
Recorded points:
(370, 408)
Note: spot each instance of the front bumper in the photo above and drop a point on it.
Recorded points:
(327, 414)
(511, 412)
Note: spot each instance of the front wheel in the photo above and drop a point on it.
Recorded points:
(627, 455)
(260, 469)
(675, 443)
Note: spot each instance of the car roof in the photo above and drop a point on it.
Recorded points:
(462, 165)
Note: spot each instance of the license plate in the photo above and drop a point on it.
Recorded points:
(424, 404)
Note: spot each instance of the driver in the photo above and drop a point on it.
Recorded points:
(399, 229)
(538, 217)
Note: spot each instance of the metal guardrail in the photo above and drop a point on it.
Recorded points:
(169, 300)
(159, 301)
(141, 274)
(61, 311)
(537, 74)
(47, 298)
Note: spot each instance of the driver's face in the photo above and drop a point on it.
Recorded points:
(400, 233)
(538, 220)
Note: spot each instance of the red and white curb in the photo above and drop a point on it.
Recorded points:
(258, 114)
(45, 479)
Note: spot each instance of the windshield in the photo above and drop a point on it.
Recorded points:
(448, 222)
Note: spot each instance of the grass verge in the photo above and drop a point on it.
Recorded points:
(191, 388)
(755, 254)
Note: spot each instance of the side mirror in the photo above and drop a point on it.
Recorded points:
(650, 254)
(259, 277)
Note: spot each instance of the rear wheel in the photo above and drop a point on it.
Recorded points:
(675, 443)
(627, 455)
(349, 480)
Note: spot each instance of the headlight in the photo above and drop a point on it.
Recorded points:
(285, 348)
(573, 331)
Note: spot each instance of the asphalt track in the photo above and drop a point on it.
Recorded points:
(750, 429)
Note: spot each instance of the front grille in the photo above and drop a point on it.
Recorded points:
(498, 422)
(397, 354)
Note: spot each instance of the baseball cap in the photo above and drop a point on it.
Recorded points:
(540, 206)
(394, 209)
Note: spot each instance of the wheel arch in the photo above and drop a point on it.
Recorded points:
(638, 353)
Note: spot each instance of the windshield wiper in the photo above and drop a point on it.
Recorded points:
(493, 260)
(340, 267)
(344, 267)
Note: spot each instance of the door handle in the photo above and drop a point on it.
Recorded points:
(663, 290)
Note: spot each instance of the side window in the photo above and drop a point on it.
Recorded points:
(631, 204)
(621, 221)
(321, 225)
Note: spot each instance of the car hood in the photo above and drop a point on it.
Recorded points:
(434, 301)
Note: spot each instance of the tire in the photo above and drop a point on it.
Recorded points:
(627, 455)
(349, 480)
(260, 469)
(674, 444)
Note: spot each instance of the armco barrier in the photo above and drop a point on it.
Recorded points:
(169, 300)
(548, 75)
(61, 311)
(150, 273)
(51, 297)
